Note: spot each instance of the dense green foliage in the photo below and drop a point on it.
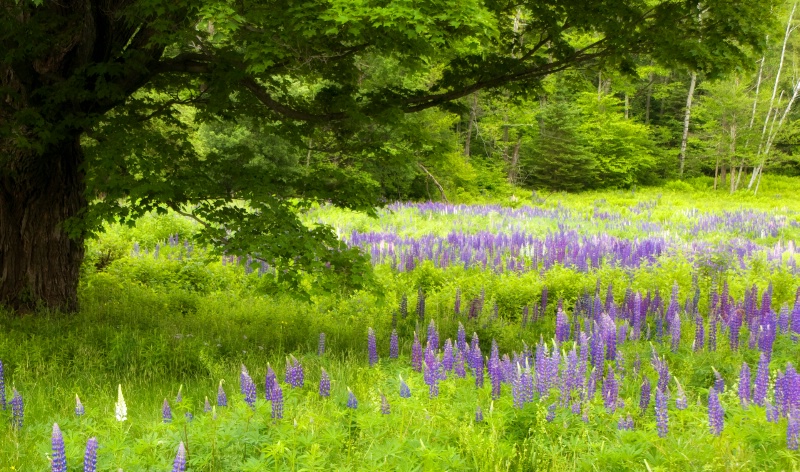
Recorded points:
(243, 114)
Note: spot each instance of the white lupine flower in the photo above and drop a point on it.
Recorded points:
(120, 409)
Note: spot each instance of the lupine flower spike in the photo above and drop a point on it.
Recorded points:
(352, 402)
(321, 345)
(384, 405)
(405, 392)
(207, 406)
(681, 401)
(662, 418)
(17, 410)
(324, 384)
(277, 400)
(79, 409)
(166, 412)
(372, 347)
(180, 459)
(120, 409)
(478, 414)
(90, 456)
(59, 460)
(793, 431)
(715, 413)
(222, 398)
(394, 346)
(179, 396)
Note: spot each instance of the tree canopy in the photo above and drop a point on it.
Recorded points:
(103, 101)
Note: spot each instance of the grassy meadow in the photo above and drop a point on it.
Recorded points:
(589, 296)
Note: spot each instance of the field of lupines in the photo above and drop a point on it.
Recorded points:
(648, 330)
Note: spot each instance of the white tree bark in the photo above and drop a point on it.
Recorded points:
(789, 29)
(735, 185)
(686, 119)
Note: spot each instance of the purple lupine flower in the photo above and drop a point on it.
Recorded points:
(644, 397)
(416, 354)
(447, 357)
(493, 368)
(681, 402)
(610, 390)
(179, 396)
(384, 405)
(675, 332)
(622, 423)
(372, 347)
(478, 414)
(715, 413)
(734, 325)
(2, 387)
(189, 416)
(662, 418)
(432, 341)
(321, 345)
(783, 319)
(59, 460)
(295, 375)
(242, 380)
(719, 382)
(79, 409)
(394, 345)
(457, 303)
(269, 381)
(405, 392)
(712, 332)
(277, 400)
(458, 365)
(762, 380)
(477, 365)
(352, 402)
(180, 459)
(17, 410)
(562, 327)
(324, 383)
(773, 415)
(793, 431)
(699, 333)
(461, 338)
(787, 390)
(207, 406)
(90, 456)
(794, 323)
(591, 386)
(432, 375)
(744, 385)
(662, 368)
(222, 398)
(551, 413)
(166, 412)
(404, 306)
(597, 346)
(249, 390)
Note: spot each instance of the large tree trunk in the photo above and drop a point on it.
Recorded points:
(39, 261)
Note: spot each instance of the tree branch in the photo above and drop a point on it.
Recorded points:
(265, 98)
(441, 189)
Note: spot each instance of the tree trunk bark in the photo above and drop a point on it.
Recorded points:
(686, 119)
(39, 262)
